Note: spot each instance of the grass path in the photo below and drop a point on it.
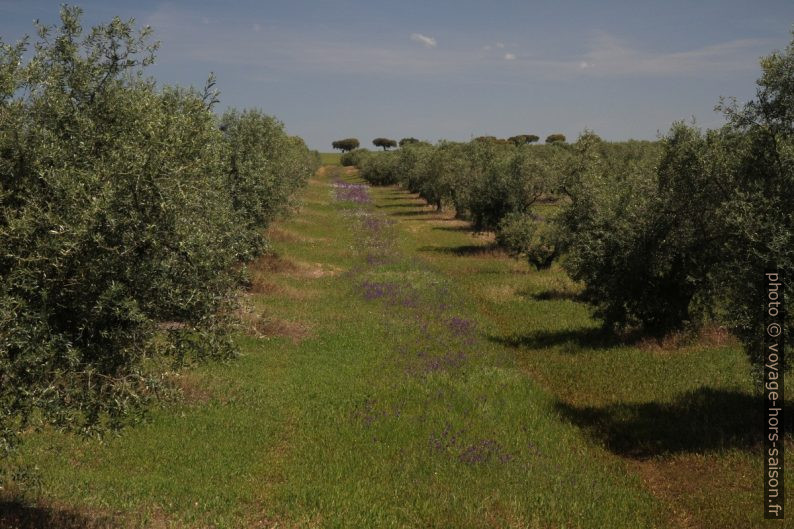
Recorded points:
(400, 372)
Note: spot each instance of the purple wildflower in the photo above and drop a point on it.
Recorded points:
(358, 193)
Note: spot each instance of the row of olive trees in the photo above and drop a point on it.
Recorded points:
(483, 180)
(690, 241)
(663, 235)
(125, 211)
(687, 240)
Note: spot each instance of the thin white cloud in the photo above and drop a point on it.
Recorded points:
(278, 49)
(609, 55)
(275, 49)
(424, 40)
(497, 45)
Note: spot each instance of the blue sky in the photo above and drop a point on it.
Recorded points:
(453, 70)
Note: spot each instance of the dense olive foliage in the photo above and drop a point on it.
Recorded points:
(124, 211)
(354, 157)
(758, 212)
(265, 167)
(380, 168)
(663, 235)
(612, 241)
(483, 180)
(687, 240)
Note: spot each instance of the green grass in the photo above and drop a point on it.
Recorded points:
(330, 158)
(368, 417)
(683, 416)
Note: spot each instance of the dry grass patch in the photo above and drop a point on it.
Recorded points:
(288, 236)
(715, 336)
(191, 388)
(262, 270)
(273, 263)
(676, 481)
(272, 327)
(277, 234)
(708, 337)
(316, 270)
(260, 324)
(260, 285)
(487, 237)
(499, 293)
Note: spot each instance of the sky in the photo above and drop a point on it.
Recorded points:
(455, 69)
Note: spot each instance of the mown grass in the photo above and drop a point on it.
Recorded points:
(682, 413)
(330, 158)
(434, 383)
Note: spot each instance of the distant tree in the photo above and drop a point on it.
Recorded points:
(523, 139)
(555, 138)
(406, 141)
(384, 142)
(346, 145)
(491, 139)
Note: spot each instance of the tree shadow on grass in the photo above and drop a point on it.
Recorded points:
(20, 515)
(414, 213)
(703, 420)
(554, 295)
(454, 228)
(586, 338)
(389, 206)
(464, 250)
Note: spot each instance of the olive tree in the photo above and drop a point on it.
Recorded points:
(124, 214)
(754, 170)
(354, 158)
(686, 237)
(113, 218)
(380, 169)
(265, 167)
(622, 242)
(502, 179)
